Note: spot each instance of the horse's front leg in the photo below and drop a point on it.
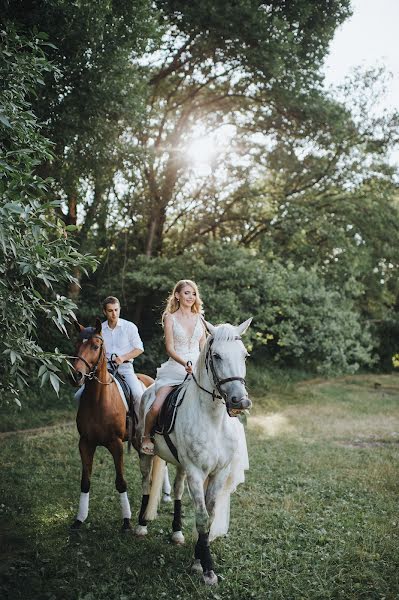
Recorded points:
(86, 454)
(203, 555)
(217, 500)
(178, 489)
(115, 447)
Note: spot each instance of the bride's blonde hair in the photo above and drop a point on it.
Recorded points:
(172, 303)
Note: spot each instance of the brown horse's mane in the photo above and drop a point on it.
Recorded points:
(87, 333)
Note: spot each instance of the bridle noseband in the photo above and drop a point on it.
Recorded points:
(209, 364)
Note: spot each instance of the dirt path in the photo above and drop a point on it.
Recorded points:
(377, 380)
(37, 430)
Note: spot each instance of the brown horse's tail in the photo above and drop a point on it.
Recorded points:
(146, 380)
(130, 432)
(158, 470)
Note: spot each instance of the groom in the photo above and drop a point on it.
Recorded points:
(122, 344)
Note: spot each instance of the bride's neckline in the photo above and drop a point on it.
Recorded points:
(189, 336)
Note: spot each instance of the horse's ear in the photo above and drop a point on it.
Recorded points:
(78, 326)
(98, 325)
(244, 326)
(209, 327)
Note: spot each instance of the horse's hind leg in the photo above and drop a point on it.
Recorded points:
(86, 454)
(145, 467)
(178, 489)
(116, 449)
(166, 488)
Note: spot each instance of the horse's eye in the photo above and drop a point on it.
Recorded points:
(95, 347)
(217, 357)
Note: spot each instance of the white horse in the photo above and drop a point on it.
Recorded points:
(205, 443)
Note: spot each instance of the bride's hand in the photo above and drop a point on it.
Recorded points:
(189, 367)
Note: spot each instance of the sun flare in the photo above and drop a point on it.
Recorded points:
(203, 148)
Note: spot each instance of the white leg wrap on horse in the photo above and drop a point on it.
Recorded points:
(83, 507)
(178, 538)
(196, 567)
(141, 530)
(126, 512)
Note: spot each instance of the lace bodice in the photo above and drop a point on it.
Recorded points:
(185, 346)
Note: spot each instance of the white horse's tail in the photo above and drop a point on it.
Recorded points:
(158, 470)
(221, 521)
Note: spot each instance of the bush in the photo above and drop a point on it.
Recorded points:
(297, 320)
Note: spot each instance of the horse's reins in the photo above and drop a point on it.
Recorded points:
(217, 382)
(92, 370)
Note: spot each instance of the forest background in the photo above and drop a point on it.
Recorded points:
(145, 142)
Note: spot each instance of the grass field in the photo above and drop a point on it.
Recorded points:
(317, 517)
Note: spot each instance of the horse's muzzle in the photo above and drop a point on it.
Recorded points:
(236, 405)
(76, 378)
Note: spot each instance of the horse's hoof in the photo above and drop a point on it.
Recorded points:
(178, 538)
(76, 525)
(166, 498)
(126, 526)
(196, 567)
(140, 531)
(210, 578)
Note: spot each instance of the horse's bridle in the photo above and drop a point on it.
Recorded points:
(209, 364)
(92, 369)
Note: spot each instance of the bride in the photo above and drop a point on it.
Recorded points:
(184, 338)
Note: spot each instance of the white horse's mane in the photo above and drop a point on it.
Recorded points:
(225, 333)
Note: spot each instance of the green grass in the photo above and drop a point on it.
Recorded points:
(316, 518)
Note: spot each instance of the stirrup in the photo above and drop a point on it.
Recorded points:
(147, 447)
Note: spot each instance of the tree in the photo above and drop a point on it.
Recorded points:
(257, 64)
(94, 99)
(36, 253)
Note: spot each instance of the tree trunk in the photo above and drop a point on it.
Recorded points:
(71, 219)
(154, 241)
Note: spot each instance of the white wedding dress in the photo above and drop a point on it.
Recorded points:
(173, 373)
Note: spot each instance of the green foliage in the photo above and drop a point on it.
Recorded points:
(277, 43)
(36, 254)
(304, 184)
(333, 198)
(256, 69)
(97, 94)
(297, 319)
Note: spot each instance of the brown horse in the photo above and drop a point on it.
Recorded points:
(101, 417)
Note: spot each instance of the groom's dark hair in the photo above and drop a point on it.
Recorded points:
(110, 300)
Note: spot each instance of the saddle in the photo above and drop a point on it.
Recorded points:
(125, 389)
(167, 415)
(131, 417)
